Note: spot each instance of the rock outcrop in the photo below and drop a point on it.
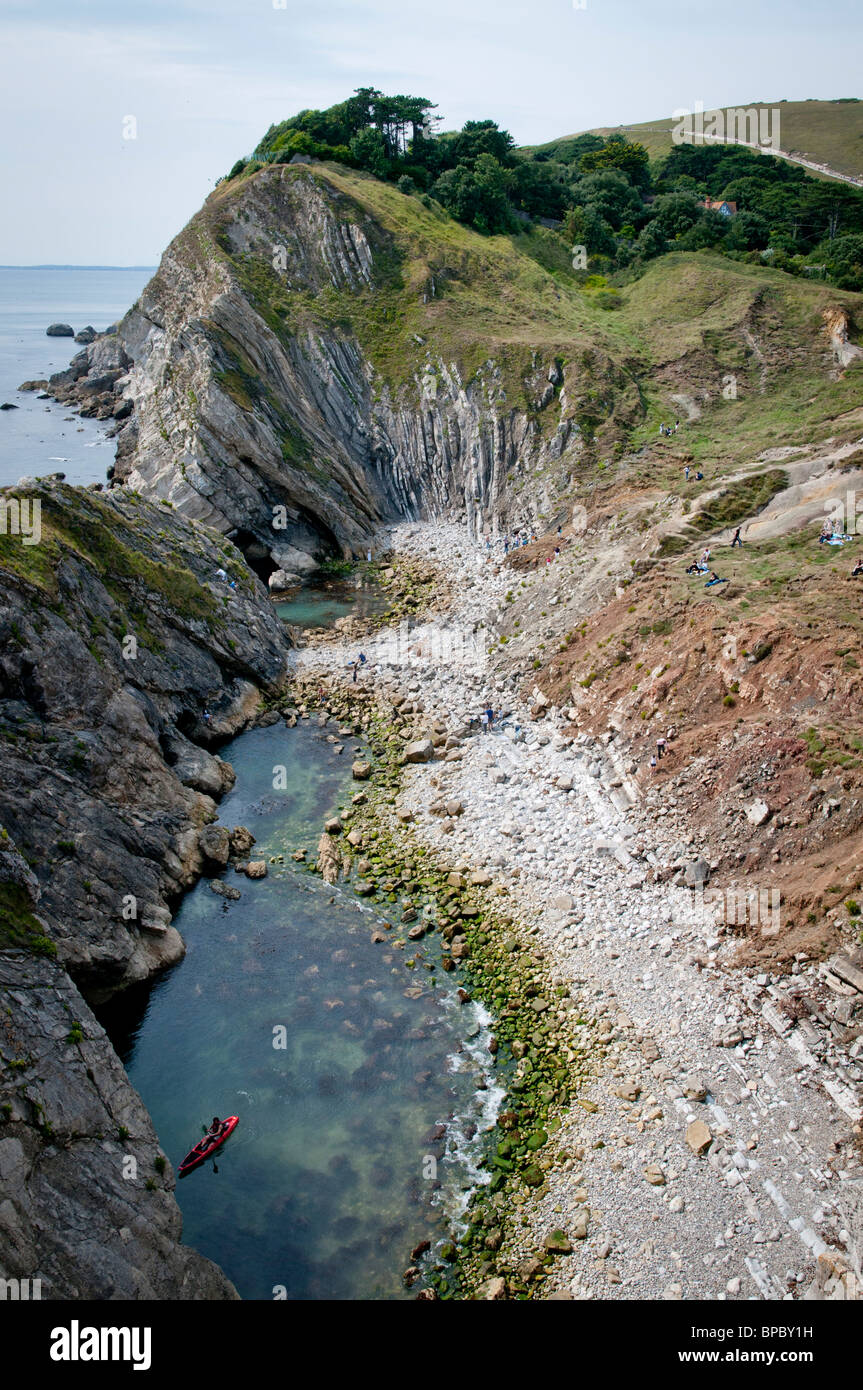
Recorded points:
(86, 1194)
(123, 654)
(270, 403)
(836, 329)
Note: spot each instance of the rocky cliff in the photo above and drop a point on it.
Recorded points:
(130, 640)
(318, 352)
(86, 1194)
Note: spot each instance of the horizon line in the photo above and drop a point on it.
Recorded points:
(69, 265)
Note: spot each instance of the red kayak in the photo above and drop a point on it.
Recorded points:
(208, 1145)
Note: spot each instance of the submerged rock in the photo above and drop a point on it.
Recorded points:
(242, 840)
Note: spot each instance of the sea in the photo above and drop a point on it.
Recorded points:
(42, 436)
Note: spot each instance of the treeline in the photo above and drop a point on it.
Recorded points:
(605, 194)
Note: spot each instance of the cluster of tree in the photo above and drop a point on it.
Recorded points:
(604, 194)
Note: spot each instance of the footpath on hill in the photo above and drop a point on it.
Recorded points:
(716, 1152)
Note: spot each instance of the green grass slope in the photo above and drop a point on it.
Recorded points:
(828, 132)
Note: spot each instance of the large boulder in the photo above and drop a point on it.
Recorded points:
(60, 330)
(280, 580)
(422, 751)
(696, 872)
(214, 842)
(197, 768)
(328, 859)
(241, 840)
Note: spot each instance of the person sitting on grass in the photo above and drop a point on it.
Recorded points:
(858, 569)
(714, 579)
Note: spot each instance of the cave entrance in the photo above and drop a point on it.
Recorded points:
(256, 554)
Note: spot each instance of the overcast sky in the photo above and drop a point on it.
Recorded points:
(203, 79)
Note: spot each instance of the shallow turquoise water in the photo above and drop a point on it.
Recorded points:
(321, 1189)
(318, 605)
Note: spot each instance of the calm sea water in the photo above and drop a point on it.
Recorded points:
(323, 1189)
(42, 436)
(321, 603)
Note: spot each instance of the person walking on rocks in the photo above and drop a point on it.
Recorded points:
(736, 540)
(653, 763)
(354, 668)
(660, 746)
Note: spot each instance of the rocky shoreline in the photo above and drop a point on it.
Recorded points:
(372, 844)
(712, 1149)
(121, 667)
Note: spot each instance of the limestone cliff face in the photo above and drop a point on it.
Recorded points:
(257, 382)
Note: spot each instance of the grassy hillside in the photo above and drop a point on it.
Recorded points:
(490, 294)
(829, 132)
(679, 329)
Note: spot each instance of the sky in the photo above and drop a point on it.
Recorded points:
(116, 119)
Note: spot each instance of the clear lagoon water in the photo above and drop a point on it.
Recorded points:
(321, 603)
(324, 1187)
(41, 436)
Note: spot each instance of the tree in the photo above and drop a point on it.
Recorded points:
(538, 190)
(611, 193)
(477, 195)
(675, 213)
(619, 153)
(369, 150)
(651, 242)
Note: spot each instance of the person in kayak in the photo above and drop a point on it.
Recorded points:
(212, 1133)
